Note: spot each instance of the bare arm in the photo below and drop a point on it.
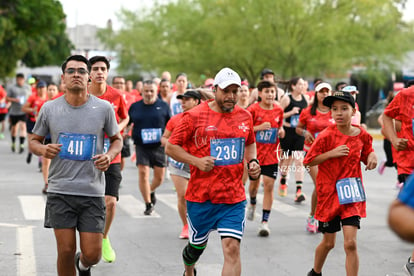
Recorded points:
(339, 151)
(102, 161)
(400, 218)
(177, 153)
(254, 167)
(37, 147)
(165, 137)
(390, 134)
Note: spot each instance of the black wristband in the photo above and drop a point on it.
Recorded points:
(248, 167)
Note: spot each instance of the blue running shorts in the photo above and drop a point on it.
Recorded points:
(227, 219)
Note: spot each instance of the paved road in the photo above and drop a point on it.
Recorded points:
(150, 245)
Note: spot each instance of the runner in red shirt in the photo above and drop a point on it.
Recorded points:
(180, 172)
(219, 135)
(340, 192)
(312, 121)
(402, 108)
(268, 126)
(3, 111)
(31, 108)
(113, 177)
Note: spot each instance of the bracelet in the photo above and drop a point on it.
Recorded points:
(254, 160)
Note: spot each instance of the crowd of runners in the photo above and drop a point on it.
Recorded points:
(219, 143)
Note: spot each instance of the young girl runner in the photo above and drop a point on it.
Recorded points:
(312, 121)
(340, 193)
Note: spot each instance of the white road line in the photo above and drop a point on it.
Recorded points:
(168, 199)
(33, 207)
(134, 207)
(26, 261)
(284, 208)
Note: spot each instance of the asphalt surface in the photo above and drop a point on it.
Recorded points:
(150, 245)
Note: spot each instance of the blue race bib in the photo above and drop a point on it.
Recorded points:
(22, 99)
(107, 143)
(294, 120)
(350, 190)
(77, 146)
(268, 136)
(227, 151)
(151, 135)
(3, 105)
(176, 164)
(177, 108)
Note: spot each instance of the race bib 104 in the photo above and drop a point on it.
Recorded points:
(350, 190)
(107, 143)
(294, 120)
(151, 135)
(227, 151)
(268, 136)
(77, 146)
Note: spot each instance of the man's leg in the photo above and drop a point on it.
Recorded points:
(144, 185)
(91, 248)
(66, 248)
(158, 178)
(231, 252)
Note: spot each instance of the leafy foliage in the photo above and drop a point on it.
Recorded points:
(33, 32)
(295, 37)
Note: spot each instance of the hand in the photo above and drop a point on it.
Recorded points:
(371, 161)
(102, 161)
(51, 150)
(340, 151)
(282, 133)
(205, 163)
(295, 110)
(265, 126)
(309, 137)
(400, 144)
(254, 170)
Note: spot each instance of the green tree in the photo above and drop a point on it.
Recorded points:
(33, 32)
(295, 37)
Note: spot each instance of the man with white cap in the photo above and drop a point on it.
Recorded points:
(218, 136)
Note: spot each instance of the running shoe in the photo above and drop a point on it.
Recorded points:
(311, 225)
(399, 185)
(409, 267)
(184, 232)
(282, 190)
(148, 209)
(264, 230)
(108, 254)
(21, 150)
(81, 272)
(153, 198)
(299, 196)
(29, 158)
(251, 211)
(13, 147)
(381, 167)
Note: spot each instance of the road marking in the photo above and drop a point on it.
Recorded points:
(33, 207)
(26, 261)
(169, 199)
(134, 207)
(284, 208)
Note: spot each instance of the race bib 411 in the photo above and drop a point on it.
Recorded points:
(77, 146)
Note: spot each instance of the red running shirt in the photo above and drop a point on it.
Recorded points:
(3, 102)
(267, 152)
(116, 99)
(35, 102)
(402, 108)
(334, 169)
(223, 184)
(315, 123)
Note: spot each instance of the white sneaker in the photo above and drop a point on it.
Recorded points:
(264, 230)
(251, 212)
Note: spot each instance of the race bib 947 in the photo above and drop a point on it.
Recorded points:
(227, 151)
(77, 146)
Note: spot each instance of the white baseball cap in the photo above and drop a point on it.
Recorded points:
(323, 85)
(226, 77)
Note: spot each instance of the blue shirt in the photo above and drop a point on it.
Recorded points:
(149, 122)
(407, 192)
